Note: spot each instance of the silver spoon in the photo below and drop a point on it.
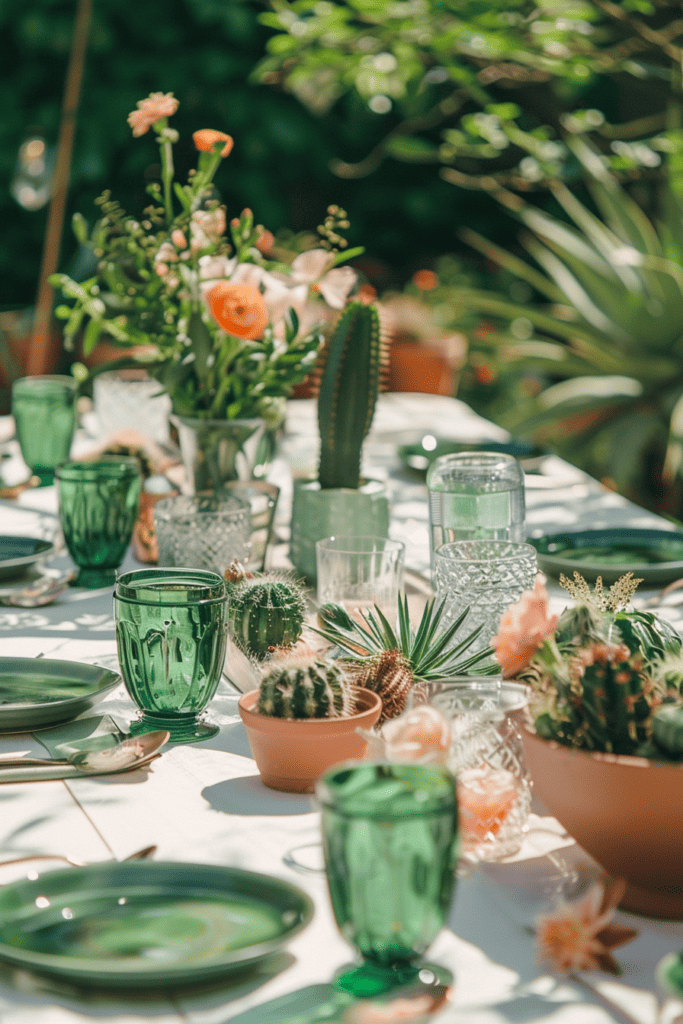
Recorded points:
(134, 750)
(143, 854)
(41, 592)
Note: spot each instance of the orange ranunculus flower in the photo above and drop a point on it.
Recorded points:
(425, 280)
(238, 308)
(206, 138)
(522, 630)
(151, 110)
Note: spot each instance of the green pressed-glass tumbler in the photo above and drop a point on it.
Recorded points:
(390, 840)
(171, 635)
(98, 507)
(44, 410)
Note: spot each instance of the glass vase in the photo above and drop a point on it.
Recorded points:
(216, 452)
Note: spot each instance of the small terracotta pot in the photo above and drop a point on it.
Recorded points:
(626, 812)
(292, 754)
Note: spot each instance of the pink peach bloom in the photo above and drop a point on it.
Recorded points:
(161, 269)
(178, 239)
(422, 734)
(151, 110)
(580, 936)
(523, 628)
(390, 1013)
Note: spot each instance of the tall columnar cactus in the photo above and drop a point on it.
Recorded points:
(349, 386)
(266, 610)
(314, 689)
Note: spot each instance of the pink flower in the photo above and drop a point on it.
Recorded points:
(153, 109)
(580, 937)
(178, 238)
(523, 628)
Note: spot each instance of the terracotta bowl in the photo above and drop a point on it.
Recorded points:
(292, 754)
(626, 812)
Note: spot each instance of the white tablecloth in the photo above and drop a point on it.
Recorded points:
(205, 803)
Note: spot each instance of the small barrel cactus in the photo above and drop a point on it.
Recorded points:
(306, 689)
(266, 610)
(388, 674)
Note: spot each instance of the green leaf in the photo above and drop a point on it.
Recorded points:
(411, 149)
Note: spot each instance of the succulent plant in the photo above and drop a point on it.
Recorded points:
(384, 660)
(266, 610)
(347, 395)
(667, 729)
(306, 689)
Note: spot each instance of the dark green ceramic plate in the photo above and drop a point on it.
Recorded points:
(136, 924)
(655, 556)
(420, 455)
(42, 691)
(18, 553)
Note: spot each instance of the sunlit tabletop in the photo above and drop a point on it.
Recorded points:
(205, 803)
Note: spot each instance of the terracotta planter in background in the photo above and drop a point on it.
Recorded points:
(292, 754)
(626, 812)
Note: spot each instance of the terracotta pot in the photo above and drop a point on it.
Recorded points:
(292, 754)
(626, 812)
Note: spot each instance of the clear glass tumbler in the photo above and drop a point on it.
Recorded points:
(171, 635)
(390, 841)
(360, 572)
(485, 575)
(475, 496)
(203, 531)
(98, 507)
(487, 757)
(44, 410)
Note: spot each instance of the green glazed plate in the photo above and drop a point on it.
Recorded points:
(655, 556)
(137, 924)
(419, 456)
(42, 691)
(18, 553)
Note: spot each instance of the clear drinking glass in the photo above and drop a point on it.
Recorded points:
(475, 496)
(203, 531)
(390, 844)
(487, 757)
(127, 400)
(44, 410)
(171, 635)
(98, 507)
(359, 572)
(485, 575)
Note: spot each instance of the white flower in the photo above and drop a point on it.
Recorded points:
(315, 268)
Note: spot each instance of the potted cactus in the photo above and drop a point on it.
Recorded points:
(303, 719)
(339, 501)
(266, 610)
(604, 744)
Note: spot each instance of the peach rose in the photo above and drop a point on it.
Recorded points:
(206, 138)
(523, 628)
(153, 109)
(238, 308)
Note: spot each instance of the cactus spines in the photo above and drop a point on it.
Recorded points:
(389, 674)
(348, 391)
(313, 689)
(266, 610)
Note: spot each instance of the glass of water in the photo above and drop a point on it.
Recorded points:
(475, 496)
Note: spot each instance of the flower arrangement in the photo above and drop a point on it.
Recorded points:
(603, 677)
(226, 325)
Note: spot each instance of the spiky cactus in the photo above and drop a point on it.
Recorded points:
(266, 610)
(389, 674)
(349, 386)
(667, 730)
(313, 689)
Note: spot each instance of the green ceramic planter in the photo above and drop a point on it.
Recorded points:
(317, 514)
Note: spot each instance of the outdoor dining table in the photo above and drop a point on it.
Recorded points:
(205, 803)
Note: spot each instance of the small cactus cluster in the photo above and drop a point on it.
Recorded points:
(610, 679)
(388, 674)
(266, 611)
(314, 688)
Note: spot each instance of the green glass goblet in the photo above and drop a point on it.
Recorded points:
(171, 634)
(44, 410)
(98, 507)
(390, 841)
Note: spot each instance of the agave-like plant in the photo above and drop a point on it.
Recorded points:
(610, 342)
(390, 662)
